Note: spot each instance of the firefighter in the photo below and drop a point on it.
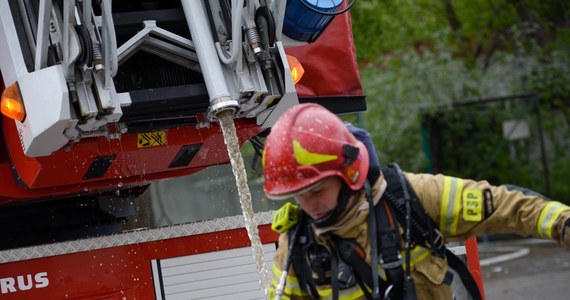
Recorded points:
(312, 156)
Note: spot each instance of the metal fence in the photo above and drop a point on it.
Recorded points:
(517, 140)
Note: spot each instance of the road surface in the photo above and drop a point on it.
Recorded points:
(542, 272)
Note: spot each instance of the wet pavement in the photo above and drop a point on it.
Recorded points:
(532, 269)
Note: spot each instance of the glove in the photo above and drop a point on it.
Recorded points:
(566, 234)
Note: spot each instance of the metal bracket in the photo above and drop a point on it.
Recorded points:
(162, 43)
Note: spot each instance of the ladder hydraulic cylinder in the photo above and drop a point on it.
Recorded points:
(220, 97)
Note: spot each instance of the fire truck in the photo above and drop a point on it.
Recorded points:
(102, 100)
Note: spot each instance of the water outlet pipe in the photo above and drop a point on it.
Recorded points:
(220, 97)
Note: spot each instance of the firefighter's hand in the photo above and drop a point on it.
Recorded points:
(566, 234)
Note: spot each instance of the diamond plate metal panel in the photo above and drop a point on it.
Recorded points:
(132, 237)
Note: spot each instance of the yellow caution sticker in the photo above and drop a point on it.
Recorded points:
(151, 139)
(472, 205)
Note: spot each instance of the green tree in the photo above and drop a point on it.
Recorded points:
(418, 55)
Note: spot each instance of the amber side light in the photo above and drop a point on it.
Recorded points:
(11, 104)
(297, 70)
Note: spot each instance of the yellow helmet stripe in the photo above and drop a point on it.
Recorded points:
(263, 158)
(307, 158)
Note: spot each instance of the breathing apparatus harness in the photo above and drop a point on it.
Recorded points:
(340, 262)
(345, 258)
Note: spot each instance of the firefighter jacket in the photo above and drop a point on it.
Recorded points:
(460, 208)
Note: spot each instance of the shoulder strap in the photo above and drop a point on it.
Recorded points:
(389, 244)
(298, 254)
(422, 228)
(466, 278)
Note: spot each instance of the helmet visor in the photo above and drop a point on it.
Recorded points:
(295, 193)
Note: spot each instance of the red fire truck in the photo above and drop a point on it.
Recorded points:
(103, 100)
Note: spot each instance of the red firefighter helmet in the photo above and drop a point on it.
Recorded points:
(307, 144)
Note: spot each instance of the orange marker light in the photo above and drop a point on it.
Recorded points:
(297, 70)
(11, 104)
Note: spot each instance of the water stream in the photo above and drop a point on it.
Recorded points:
(238, 168)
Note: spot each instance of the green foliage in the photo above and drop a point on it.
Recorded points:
(386, 25)
(472, 29)
(418, 56)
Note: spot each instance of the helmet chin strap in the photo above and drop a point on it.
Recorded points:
(332, 216)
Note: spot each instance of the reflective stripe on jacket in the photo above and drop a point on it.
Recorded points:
(463, 208)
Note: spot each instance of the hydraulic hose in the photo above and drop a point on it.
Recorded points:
(237, 9)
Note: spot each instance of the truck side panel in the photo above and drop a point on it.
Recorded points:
(122, 272)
